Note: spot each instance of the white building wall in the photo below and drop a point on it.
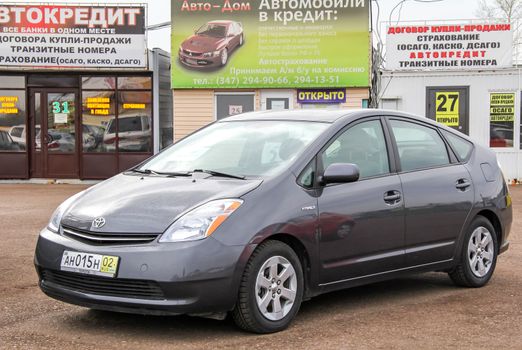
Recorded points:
(407, 91)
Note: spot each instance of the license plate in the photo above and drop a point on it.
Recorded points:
(91, 264)
(189, 61)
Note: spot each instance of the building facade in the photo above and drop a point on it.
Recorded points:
(194, 109)
(81, 97)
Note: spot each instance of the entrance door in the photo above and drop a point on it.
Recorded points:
(54, 129)
(449, 105)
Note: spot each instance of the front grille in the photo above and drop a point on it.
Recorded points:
(126, 288)
(102, 238)
(191, 54)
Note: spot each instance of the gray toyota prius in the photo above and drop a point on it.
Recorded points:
(255, 213)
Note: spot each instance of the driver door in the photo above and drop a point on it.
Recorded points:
(361, 223)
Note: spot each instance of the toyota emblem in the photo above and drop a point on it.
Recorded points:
(98, 222)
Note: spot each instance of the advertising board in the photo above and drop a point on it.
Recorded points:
(270, 43)
(441, 47)
(72, 37)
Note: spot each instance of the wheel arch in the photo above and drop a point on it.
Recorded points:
(492, 217)
(299, 248)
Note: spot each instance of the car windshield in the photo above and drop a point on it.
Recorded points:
(214, 30)
(241, 148)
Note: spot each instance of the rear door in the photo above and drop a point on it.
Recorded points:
(437, 189)
(361, 223)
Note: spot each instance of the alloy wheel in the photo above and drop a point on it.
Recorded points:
(480, 251)
(224, 57)
(276, 288)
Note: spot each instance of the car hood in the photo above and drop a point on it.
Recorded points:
(148, 204)
(202, 43)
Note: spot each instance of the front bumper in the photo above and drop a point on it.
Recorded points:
(200, 62)
(195, 277)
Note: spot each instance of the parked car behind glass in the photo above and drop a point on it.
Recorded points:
(18, 135)
(133, 134)
(7, 143)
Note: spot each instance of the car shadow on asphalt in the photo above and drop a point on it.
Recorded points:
(412, 288)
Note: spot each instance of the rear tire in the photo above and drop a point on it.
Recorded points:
(478, 256)
(271, 289)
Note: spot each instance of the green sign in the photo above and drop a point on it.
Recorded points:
(270, 43)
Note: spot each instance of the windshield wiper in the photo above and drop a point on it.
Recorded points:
(160, 173)
(146, 171)
(217, 173)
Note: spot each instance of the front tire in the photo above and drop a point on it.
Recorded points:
(224, 57)
(478, 255)
(271, 289)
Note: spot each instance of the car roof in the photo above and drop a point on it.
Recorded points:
(326, 116)
(332, 116)
(321, 115)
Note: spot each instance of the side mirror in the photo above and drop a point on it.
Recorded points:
(340, 173)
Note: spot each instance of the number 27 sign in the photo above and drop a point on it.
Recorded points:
(447, 108)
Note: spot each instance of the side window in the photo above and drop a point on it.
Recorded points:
(17, 132)
(460, 145)
(306, 179)
(419, 146)
(363, 145)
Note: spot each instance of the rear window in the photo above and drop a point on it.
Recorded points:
(461, 146)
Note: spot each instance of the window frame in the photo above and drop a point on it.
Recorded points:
(317, 161)
(26, 117)
(116, 92)
(459, 158)
(453, 160)
(232, 93)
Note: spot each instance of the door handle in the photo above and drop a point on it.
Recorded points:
(463, 184)
(392, 197)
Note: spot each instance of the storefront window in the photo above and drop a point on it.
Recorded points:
(99, 83)
(13, 133)
(134, 122)
(12, 82)
(134, 83)
(502, 119)
(98, 112)
(114, 120)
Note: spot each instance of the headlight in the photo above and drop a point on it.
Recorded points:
(56, 218)
(212, 54)
(201, 222)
